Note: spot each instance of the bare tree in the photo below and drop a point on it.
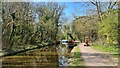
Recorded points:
(99, 5)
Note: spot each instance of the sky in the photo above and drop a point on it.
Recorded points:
(71, 8)
(69, 0)
(55, 0)
(76, 9)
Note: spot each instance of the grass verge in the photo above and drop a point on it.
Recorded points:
(107, 48)
(78, 60)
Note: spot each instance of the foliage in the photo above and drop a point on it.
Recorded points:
(108, 27)
(84, 26)
(106, 48)
(63, 32)
(16, 25)
(29, 24)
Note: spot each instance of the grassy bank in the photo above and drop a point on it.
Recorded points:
(107, 48)
(78, 61)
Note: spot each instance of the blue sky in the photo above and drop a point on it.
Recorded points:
(75, 8)
(70, 9)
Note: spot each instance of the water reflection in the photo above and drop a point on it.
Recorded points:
(62, 53)
(38, 58)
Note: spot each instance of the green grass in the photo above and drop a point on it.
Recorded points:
(107, 48)
(77, 49)
(78, 61)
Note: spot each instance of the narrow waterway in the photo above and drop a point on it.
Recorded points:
(44, 57)
(48, 56)
(62, 52)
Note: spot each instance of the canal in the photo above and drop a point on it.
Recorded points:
(46, 57)
(49, 56)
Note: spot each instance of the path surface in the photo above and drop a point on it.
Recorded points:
(96, 58)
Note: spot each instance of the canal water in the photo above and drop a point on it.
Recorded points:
(52, 57)
(62, 54)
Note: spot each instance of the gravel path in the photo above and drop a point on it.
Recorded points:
(96, 58)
